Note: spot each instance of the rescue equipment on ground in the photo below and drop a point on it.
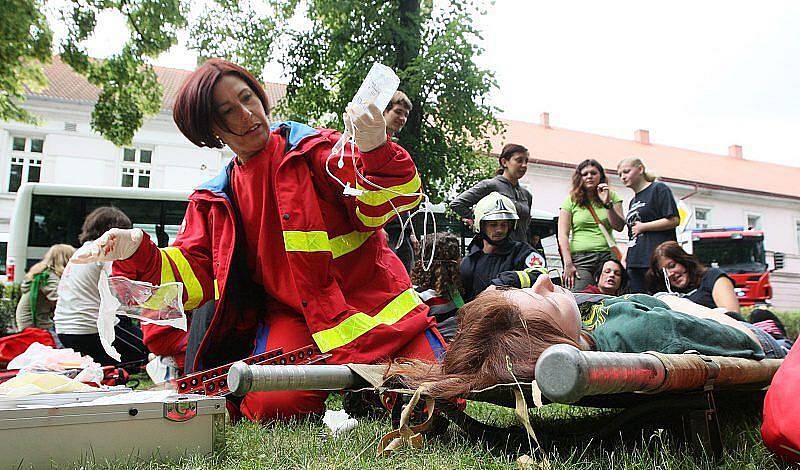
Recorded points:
(641, 383)
(214, 382)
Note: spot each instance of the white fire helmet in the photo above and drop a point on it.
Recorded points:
(495, 206)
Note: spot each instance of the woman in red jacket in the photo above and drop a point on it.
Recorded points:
(273, 252)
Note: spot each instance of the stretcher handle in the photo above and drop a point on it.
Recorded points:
(566, 374)
(243, 378)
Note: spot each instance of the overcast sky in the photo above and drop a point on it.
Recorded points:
(699, 74)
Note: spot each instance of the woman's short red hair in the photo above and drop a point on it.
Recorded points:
(194, 111)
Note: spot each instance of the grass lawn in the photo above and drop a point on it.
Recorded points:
(304, 444)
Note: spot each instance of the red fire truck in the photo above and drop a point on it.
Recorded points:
(740, 253)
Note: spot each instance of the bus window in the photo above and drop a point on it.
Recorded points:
(55, 219)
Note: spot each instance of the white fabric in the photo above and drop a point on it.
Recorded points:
(39, 358)
(78, 297)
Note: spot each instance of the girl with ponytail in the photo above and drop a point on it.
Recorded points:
(651, 220)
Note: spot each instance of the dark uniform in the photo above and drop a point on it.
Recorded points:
(478, 269)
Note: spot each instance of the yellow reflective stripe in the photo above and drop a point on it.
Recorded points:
(190, 281)
(315, 241)
(164, 295)
(166, 269)
(360, 323)
(295, 240)
(347, 243)
(370, 221)
(378, 197)
(524, 280)
(216, 290)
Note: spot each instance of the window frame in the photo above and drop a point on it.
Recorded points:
(26, 158)
(139, 171)
(709, 216)
(760, 216)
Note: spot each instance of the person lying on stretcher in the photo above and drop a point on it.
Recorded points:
(506, 325)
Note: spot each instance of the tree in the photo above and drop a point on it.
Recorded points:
(329, 46)
(25, 39)
(129, 90)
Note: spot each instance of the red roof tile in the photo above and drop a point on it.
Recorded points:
(65, 84)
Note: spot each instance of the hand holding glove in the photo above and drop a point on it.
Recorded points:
(116, 244)
(367, 126)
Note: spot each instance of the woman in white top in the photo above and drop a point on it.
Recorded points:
(79, 299)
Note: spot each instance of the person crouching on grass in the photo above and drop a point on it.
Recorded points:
(272, 253)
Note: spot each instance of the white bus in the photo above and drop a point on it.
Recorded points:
(47, 214)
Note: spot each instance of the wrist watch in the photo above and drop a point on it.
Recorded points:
(609, 205)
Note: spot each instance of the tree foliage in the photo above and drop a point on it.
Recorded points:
(326, 48)
(25, 39)
(129, 90)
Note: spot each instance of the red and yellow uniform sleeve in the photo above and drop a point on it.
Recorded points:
(390, 184)
(187, 261)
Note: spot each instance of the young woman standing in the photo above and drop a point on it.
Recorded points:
(581, 237)
(513, 166)
(651, 220)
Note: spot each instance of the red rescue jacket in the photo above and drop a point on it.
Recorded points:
(357, 298)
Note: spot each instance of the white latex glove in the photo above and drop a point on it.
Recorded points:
(116, 244)
(368, 126)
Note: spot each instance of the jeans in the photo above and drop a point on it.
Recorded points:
(772, 348)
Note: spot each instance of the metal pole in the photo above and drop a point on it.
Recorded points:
(565, 374)
(243, 378)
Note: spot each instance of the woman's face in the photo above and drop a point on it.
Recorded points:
(516, 165)
(496, 230)
(246, 126)
(590, 176)
(676, 273)
(552, 300)
(630, 174)
(610, 278)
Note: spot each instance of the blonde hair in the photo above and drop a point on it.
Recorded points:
(649, 176)
(55, 260)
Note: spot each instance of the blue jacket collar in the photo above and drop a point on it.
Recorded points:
(294, 132)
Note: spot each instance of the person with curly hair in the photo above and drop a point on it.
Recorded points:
(440, 286)
(588, 217)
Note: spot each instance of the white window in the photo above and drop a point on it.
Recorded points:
(797, 233)
(136, 166)
(754, 222)
(26, 161)
(702, 217)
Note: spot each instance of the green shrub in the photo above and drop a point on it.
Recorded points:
(8, 308)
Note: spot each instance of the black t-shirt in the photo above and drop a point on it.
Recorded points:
(652, 203)
(703, 293)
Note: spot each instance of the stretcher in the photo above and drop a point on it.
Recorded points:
(641, 384)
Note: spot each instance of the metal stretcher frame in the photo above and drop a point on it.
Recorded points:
(641, 383)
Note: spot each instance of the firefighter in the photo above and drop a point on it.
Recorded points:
(274, 252)
(492, 251)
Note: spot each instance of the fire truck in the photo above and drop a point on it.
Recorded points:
(740, 253)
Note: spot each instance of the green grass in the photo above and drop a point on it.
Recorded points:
(305, 444)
